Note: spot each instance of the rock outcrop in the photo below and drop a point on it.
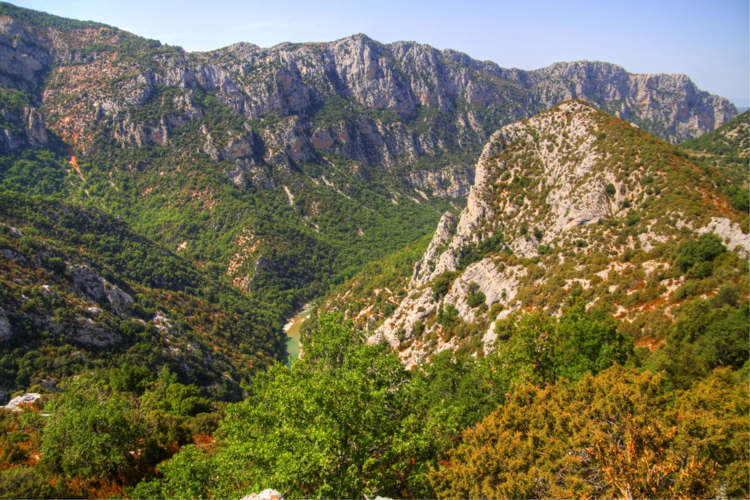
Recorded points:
(5, 330)
(91, 284)
(384, 105)
(268, 494)
(547, 193)
(27, 399)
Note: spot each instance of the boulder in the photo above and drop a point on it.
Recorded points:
(267, 494)
(28, 398)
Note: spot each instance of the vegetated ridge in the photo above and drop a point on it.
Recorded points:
(570, 205)
(728, 149)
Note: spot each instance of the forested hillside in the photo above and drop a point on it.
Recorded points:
(81, 290)
(728, 149)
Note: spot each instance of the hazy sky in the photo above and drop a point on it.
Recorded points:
(707, 40)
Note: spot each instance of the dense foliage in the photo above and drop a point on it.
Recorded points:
(104, 431)
(727, 148)
(81, 290)
(347, 421)
(43, 19)
(619, 434)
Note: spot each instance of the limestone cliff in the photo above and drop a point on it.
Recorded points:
(384, 105)
(571, 201)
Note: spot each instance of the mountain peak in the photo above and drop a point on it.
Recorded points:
(552, 194)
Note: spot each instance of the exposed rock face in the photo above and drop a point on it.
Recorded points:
(554, 182)
(451, 181)
(267, 494)
(443, 235)
(86, 331)
(673, 101)
(733, 237)
(90, 283)
(384, 105)
(433, 263)
(22, 127)
(16, 403)
(5, 331)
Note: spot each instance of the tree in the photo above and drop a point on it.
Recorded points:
(588, 342)
(540, 349)
(704, 249)
(713, 425)
(334, 424)
(91, 431)
(615, 434)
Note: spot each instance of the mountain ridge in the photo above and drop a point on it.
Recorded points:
(569, 201)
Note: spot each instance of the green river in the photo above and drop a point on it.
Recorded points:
(292, 329)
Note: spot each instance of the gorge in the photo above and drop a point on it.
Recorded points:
(526, 284)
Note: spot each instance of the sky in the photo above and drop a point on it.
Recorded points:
(707, 40)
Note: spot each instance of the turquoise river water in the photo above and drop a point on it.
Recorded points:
(292, 329)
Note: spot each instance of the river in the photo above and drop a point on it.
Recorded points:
(292, 329)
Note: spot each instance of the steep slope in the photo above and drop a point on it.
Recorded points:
(727, 148)
(571, 205)
(80, 290)
(668, 106)
(99, 72)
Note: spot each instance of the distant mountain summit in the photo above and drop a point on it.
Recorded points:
(381, 104)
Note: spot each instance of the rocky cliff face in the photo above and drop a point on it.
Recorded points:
(562, 203)
(384, 105)
(669, 106)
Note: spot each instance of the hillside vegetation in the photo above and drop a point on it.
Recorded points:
(80, 290)
(239, 158)
(572, 205)
(728, 149)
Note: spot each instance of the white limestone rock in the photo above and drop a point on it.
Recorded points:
(267, 494)
(731, 234)
(90, 283)
(16, 403)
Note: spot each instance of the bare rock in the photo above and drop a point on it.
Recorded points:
(91, 284)
(731, 235)
(16, 404)
(5, 332)
(268, 494)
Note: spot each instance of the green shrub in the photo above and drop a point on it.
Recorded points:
(442, 283)
(476, 299)
(56, 264)
(704, 249)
